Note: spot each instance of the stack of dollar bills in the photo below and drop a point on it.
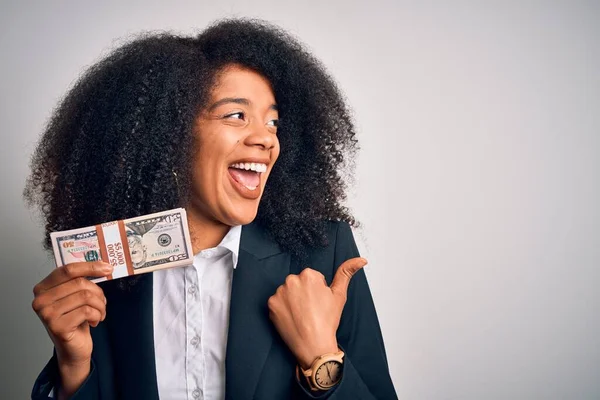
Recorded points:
(132, 246)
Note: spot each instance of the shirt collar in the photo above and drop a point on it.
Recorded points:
(231, 242)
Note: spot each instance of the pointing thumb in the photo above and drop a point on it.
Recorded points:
(345, 272)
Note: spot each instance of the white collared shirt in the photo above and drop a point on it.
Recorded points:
(191, 318)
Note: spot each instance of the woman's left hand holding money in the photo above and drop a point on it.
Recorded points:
(307, 312)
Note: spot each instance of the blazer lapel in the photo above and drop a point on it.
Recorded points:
(261, 268)
(132, 338)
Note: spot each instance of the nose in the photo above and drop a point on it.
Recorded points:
(261, 136)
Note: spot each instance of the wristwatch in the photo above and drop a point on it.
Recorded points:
(324, 373)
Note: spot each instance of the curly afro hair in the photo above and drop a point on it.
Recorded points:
(121, 142)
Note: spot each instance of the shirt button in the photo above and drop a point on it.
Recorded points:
(196, 393)
(192, 290)
(195, 341)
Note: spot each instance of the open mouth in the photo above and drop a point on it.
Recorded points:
(247, 174)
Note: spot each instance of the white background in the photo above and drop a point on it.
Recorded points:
(478, 183)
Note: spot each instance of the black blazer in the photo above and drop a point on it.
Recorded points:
(258, 364)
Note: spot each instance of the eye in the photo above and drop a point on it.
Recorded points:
(273, 122)
(235, 115)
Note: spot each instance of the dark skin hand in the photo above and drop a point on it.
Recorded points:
(307, 312)
(68, 304)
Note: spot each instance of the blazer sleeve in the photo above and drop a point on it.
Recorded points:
(365, 371)
(99, 385)
(47, 384)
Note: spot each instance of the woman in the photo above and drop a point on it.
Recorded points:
(168, 121)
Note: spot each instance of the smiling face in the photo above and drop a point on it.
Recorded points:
(237, 146)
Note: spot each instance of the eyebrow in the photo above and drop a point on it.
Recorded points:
(236, 100)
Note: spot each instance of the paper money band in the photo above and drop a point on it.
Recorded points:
(125, 242)
(114, 248)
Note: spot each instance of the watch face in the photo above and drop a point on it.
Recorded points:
(328, 374)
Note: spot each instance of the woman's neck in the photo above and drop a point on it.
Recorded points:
(205, 233)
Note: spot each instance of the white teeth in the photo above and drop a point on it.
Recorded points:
(258, 167)
(250, 187)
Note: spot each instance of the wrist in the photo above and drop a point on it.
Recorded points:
(308, 358)
(72, 376)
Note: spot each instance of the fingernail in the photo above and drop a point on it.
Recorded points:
(106, 267)
(105, 300)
